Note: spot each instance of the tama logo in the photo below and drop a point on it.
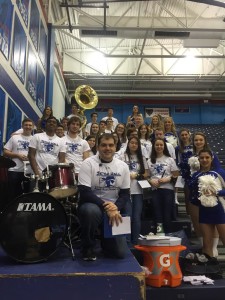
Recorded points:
(35, 207)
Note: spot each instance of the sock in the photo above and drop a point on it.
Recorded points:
(200, 241)
(176, 199)
(215, 244)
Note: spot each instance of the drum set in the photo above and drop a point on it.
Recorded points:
(35, 224)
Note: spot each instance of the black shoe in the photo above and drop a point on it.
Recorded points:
(88, 254)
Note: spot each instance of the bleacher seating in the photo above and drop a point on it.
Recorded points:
(216, 138)
(215, 134)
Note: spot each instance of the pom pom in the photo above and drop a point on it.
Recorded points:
(208, 188)
(194, 164)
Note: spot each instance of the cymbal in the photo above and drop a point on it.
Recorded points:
(6, 162)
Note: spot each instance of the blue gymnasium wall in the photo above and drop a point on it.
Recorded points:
(31, 61)
(200, 113)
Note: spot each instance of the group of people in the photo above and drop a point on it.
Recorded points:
(110, 159)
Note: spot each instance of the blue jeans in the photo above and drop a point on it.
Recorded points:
(163, 207)
(91, 218)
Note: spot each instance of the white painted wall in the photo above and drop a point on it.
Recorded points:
(58, 102)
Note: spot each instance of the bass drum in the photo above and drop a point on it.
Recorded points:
(32, 227)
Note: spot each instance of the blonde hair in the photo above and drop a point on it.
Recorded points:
(173, 127)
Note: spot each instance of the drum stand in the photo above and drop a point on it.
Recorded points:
(68, 243)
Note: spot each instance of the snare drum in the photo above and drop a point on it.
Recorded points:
(32, 227)
(61, 181)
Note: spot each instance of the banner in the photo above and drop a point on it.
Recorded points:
(151, 111)
(31, 85)
(182, 109)
(19, 49)
(2, 113)
(40, 100)
(14, 119)
(34, 24)
(23, 6)
(43, 45)
(6, 10)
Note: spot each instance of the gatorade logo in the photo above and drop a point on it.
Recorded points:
(164, 260)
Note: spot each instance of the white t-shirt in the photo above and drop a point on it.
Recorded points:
(75, 147)
(47, 149)
(19, 144)
(123, 149)
(147, 145)
(171, 138)
(109, 131)
(134, 167)
(170, 149)
(119, 154)
(104, 179)
(163, 167)
(115, 121)
(19, 131)
(88, 128)
(72, 115)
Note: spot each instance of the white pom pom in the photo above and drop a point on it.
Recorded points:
(208, 188)
(194, 164)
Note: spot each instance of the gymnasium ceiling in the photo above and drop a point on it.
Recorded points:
(159, 49)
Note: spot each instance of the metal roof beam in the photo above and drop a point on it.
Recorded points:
(161, 56)
(85, 64)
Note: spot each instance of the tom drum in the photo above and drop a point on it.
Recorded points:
(61, 181)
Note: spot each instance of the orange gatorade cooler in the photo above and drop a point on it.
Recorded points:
(163, 263)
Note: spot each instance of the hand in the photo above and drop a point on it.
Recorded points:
(133, 175)
(164, 180)
(109, 206)
(38, 175)
(154, 183)
(114, 217)
(209, 193)
(22, 157)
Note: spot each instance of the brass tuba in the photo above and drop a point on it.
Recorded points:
(86, 98)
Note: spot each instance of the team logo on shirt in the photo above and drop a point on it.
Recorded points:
(109, 180)
(159, 168)
(73, 148)
(48, 146)
(23, 145)
(133, 166)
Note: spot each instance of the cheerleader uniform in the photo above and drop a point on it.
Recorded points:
(215, 214)
(182, 161)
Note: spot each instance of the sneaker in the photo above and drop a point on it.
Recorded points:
(88, 254)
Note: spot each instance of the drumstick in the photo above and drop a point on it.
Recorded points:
(163, 173)
(47, 185)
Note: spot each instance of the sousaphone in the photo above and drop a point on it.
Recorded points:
(86, 98)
